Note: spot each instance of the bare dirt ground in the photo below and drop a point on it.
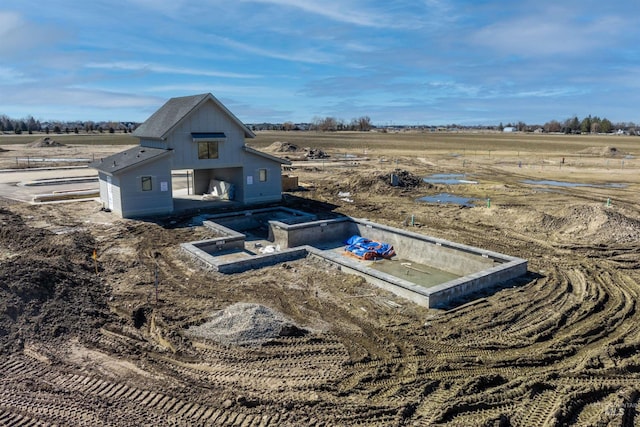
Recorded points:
(558, 347)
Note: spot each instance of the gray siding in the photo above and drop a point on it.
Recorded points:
(208, 118)
(268, 191)
(153, 143)
(136, 202)
(115, 192)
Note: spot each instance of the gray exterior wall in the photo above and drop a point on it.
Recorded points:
(258, 192)
(112, 201)
(136, 202)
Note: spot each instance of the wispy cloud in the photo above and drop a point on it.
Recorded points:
(10, 76)
(559, 32)
(18, 35)
(339, 11)
(156, 68)
(308, 55)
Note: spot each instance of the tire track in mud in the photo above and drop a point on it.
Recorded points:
(555, 350)
(589, 309)
(132, 402)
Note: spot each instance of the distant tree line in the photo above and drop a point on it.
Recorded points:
(30, 125)
(326, 124)
(331, 124)
(574, 125)
(587, 125)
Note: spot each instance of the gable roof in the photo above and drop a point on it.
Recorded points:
(266, 156)
(175, 110)
(133, 156)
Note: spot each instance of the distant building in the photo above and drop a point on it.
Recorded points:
(195, 133)
(509, 129)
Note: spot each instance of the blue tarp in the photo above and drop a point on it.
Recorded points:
(363, 248)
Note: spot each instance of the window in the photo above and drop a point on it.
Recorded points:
(262, 175)
(208, 150)
(146, 183)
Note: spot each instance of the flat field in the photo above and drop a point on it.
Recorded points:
(557, 347)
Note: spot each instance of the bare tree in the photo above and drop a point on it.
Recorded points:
(552, 126)
(288, 126)
(364, 123)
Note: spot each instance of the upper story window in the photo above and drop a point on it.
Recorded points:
(208, 143)
(207, 150)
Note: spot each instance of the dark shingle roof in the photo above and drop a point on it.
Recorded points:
(133, 156)
(173, 111)
(266, 156)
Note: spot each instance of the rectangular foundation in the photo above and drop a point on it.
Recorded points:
(296, 238)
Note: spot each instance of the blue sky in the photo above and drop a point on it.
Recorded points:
(396, 61)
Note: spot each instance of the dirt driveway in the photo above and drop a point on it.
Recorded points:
(558, 347)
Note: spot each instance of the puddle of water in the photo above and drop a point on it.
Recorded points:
(447, 198)
(571, 184)
(448, 178)
(419, 274)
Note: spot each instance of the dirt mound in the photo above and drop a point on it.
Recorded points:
(47, 286)
(602, 152)
(593, 223)
(380, 180)
(44, 143)
(245, 324)
(283, 147)
(297, 152)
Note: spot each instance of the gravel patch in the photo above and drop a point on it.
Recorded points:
(245, 324)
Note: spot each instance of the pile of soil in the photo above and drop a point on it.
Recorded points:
(602, 152)
(303, 153)
(245, 324)
(592, 223)
(283, 147)
(44, 143)
(48, 288)
(378, 181)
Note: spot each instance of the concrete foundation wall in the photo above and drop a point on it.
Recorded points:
(444, 255)
(242, 223)
(312, 233)
(260, 261)
(229, 239)
(445, 293)
(201, 254)
(246, 220)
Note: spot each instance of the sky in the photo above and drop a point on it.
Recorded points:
(399, 62)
